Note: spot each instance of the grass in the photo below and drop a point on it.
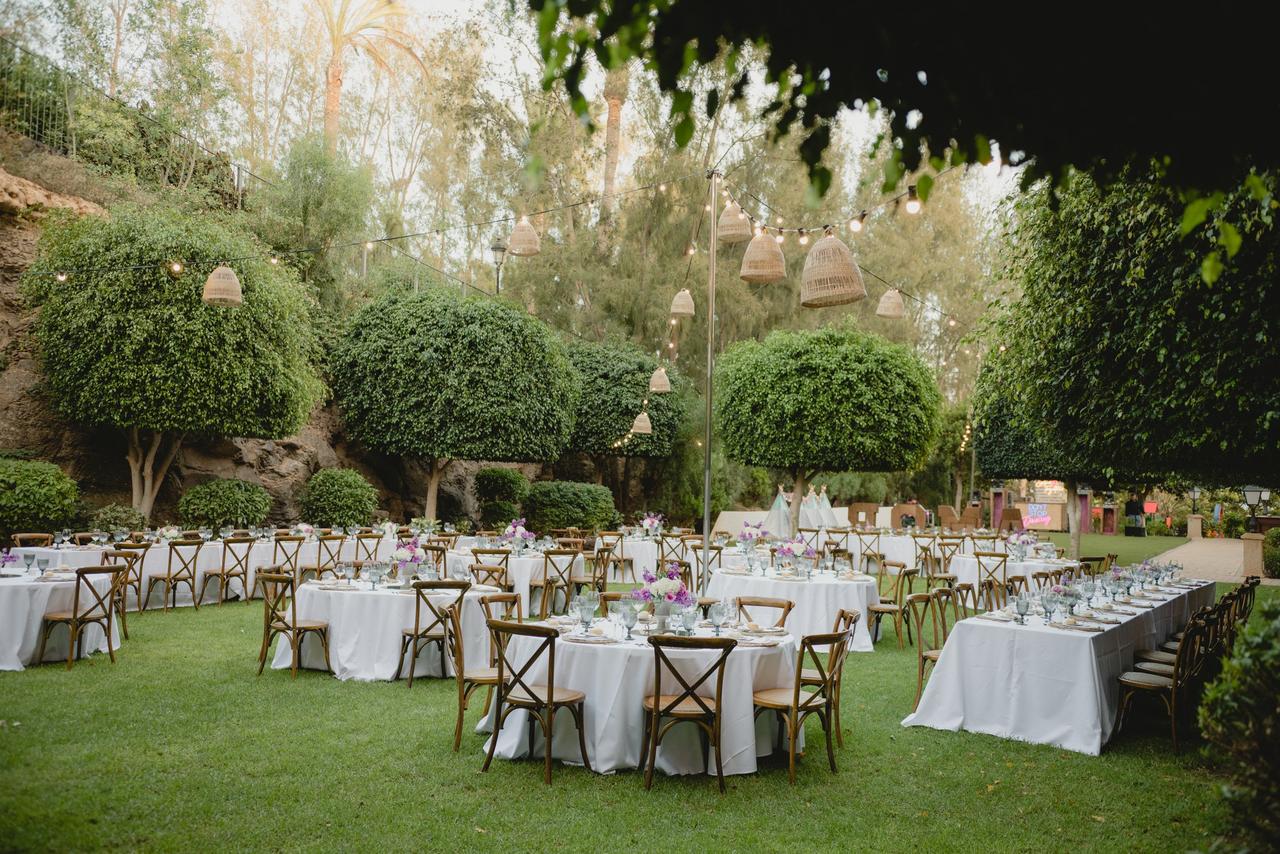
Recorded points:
(181, 746)
(1127, 549)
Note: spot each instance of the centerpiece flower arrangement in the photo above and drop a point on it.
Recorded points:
(751, 533)
(518, 535)
(7, 558)
(170, 532)
(652, 524)
(409, 555)
(797, 548)
(304, 530)
(1019, 542)
(664, 591)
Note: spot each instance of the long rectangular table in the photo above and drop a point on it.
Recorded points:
(1041, 684)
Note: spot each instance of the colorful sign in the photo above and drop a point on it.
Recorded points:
(1037, 514)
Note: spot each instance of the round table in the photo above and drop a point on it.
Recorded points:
(365, 631)
(817, 601)
(23, 603)
(615, 678)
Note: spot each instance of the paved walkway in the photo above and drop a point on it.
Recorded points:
(1217, 558)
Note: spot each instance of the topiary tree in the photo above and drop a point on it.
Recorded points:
(499, 492)
(439, 377)
(614, 383)
(127, 343)
(34, 497)
(115, 517)
(338, 497)
(834, 399)
(216, 503)
(568, 504)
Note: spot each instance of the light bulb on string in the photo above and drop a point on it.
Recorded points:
(779, 219)
(706, 208)
(780, 238)
(273, 260)
(662, 188)
(61, 277)
(368, 244)
(1002, 348)
(951, 321)
(858, 222)
(175, 267)
(804, 238)
(913, 201)
(691, 250)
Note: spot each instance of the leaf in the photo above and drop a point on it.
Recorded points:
(684, 131)
(1197, 211)
(924, 184)
(1211, 268)
(713, 102)
(1229, 238)
(982, 149)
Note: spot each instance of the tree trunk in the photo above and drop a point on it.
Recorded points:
(1073, 520)
(433, 487)
(960, 498)
(332, 102)
(118, 10)
(614, 95)
(149, 464)
(801, 484)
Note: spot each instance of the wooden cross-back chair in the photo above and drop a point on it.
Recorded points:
(1173, 689)
(841, 537)
(994, 567)
(1093, 565)
(670, 548)
(948, 548)
(846, 621)
(490, 574)
(810, 537)
(367, 545)
(234, 564)
(947, 599)
(967, 599)
(540, 700)
(468, 677)
(280, 617)
(557, 578)
(578, 544)
(285, 551)
(793, 705)
(684, 704)
(32, 540)
(617, 557)
(133, 576)
(869, 550)
(449, 541)
(89, 606)
(437, 559)
(82, 538)
(895, 608)
(430, 621)
(328, 556)
(930, 637)
(713, 562)
(175, 576)
(783, 606)
(493, 557)
(596, 571)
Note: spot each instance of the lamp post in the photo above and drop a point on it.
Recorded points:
(499, 250)
(714, 190)
(1195, 495)
(1253, 496)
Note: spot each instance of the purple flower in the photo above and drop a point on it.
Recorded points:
(8, 558)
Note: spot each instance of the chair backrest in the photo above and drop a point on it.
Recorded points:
(33, 540)
(437, 558)
(949, 547)
(446, 540)
(83, 538)
(923, 547)
(329, 551)
(900, 584)
(824, 655)
(600, 563)
(713, 554)
(1190, 650)
(606, 598)
(447, 595)
(367, 543)
(947, 598)
(846, 620)
(688, 688)
(512, 675)
(610, 539)
(993, 566)
(1093, 565)
(492, 557)
(235, 554)
(284, 553)
(924, 616)
(992, 594)
(575, 543)
(783, 606)
(88, 603)
(279, 608)
(493, 575)
(130, 560)
(671, 548)
(984, 544)
(557, 565)
(1040, 580)
(810, 537)
(869, 544)
(186, 560)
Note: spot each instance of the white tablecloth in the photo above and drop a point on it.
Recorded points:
(616, 678)
(23, 604)
(365, 632)
(522, 571)
(817, 601)
(965, 568)
(210, 557)
(1041, 684)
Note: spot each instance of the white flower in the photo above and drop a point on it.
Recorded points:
(402, 554)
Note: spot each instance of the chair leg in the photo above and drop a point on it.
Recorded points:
(124, 621)
(653, 747)
(404, 647)
(792, 732)
(825, 719)
(493, 737)
(835, 714)
(548, 729)
(324, 645)
(579, 713)
(457, 727)
(295, 646)
(111, 648)
(72, 636)
(715, 737)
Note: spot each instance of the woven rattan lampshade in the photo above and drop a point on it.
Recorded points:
(733, 225)
(660, 382)
(762, 263)
(682, 304)
(222, 287)
(642, 425)
(831, 277)
(524, 240)
(891, 304)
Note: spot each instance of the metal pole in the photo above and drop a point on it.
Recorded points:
(711, 364)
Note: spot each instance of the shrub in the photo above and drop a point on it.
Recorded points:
(567, 504)
(1233, 524)
(338, 497)
(1157, 528)
(34, 497)
(1271, 553)
(499, 492)
(217, 503)
(112, 517)
(1241, 714)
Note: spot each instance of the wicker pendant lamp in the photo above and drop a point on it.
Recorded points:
(222, 288)
(891, 304)
(831, 277)
(659, 381)
(524, 241)
(733, 227)
(682, 304)
(642, 426)
(763, 263)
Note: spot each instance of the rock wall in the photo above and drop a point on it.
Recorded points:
(29, 424)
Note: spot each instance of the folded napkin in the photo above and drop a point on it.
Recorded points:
(996, 618)
(1079, 627)
(756, 641)
(485, 588)
(590, 639)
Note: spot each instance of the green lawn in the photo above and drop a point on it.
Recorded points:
(1127, 549)
(181, 746)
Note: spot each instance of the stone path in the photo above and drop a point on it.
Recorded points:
(1219, 558)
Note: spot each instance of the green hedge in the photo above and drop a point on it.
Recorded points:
(35, 497)
(217, 503)
(1271, 553)
(1240, 715)
(565, 504)
(338, 497)
(499, 492)
(114, 517)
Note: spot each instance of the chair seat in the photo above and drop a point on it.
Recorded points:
(884, 608)
(437, 634)
(562, 697)
(780, 698)
(482, 675)
(932, 654)
(1155, 667)
(945, 576)
(1178, 635)
(1158, 655)
(686, 708)
(220, 571)
(306, 625)
(1138, 679)
(1169, 646)
(59, 617)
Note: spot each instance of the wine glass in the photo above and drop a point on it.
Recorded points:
(629, 617)
(689, 619)
(43, 564)
(586, 613)
(1023, 606)
(716, 613)
(28, 559)
(58, 539)
(226, 531)
(349, 572)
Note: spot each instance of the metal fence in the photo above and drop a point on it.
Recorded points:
(64, 114)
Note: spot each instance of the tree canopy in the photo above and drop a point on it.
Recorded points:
(1121, 353)
(614, 384)
(829, 400)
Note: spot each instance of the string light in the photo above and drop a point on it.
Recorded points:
(951, 321)
(913, 200)
(175, 267)
(1002, 348)
(692, 249)
(858, 222)
(368, 244)
(804, 238)
(662, 188)
(61, 277)
(780, 237)
(706, 208)
(273, 260)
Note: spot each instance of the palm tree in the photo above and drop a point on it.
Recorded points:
(371, 26)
